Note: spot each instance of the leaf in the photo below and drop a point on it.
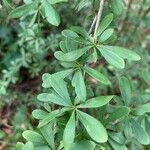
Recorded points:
(48, 134)
(116, 146)
(146, 76)
(94, 128)
(128, 130)
(60, 88)
(51, 14)
(118, 137)
(118, 114)
(97, 75)
(69, 132)
(147, 126)
(117, 6)
(125, 88)
(69, 34)
(106, 35)
(34, 137)
(93, 57)
(44, 147)
(83, 145)
(111, 57)
(123, 52)
(139, 133)
(78, 83)
(28, 146)
(72, 55)
(51, 116)
(2, 90)
(56, 1)
(82, 4)
(19, 146)
(96, 102)
(46, 78)
(21, 11)
(141, 110)
(105, 23)
(63, 46)
(39, 114)
(53, 98)
(71, 44)
(81, 31)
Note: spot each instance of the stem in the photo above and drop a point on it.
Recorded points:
(92, 25)
(98, 18)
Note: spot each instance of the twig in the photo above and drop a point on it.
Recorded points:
(92, 25)
(98, 18)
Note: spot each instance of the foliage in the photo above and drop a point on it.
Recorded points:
(96, 94)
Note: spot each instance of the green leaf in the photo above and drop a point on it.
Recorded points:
(116, 146)
(105, 23)
(69, 34)
(19, 146)
(93, 57)
(111, 57)
(51, 14)
(118, 137)
(94, 128)
(118, 114)
(53, 98)
(106, 35)
(139, 133)
(146, 76)
(123, 52)
(125, 88)
(70, 44)
(69, 132)
(97, 75)
(81, 31)
(82, 4)
(21, 11)
(34, 137)
(72, 55)
(28, 146)
(83, 145)
(2, 90)
(96, 102)
(128, 130)
(117, 6)
(147, 126)
(48, 134)
(39, 114)
(44, 147)
(46, 78)
(78, 83)
(60, 88)
(51, 116)
(141, 110)
(56, 1)
(62, 45)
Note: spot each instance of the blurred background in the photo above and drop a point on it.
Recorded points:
(26, 52)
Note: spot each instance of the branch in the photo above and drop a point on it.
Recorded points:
(92, 25)
(98, 18)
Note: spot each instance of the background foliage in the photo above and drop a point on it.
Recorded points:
(28, 41)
